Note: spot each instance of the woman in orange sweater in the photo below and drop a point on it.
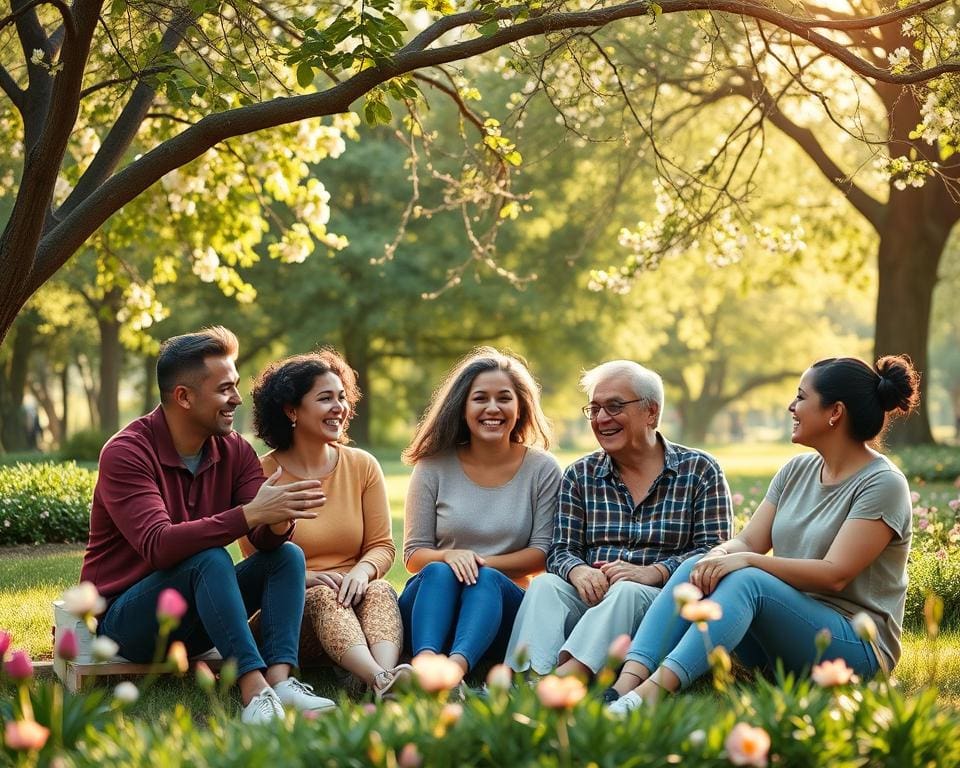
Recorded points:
(301, 409)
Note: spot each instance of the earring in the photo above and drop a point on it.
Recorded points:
(831, 422)
(293, 424)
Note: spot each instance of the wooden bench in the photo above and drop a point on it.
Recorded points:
(74, 673)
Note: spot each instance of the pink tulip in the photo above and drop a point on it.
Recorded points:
(18, 666)
(84, 600)
(4, 642)
(205, 677)
(67, 648)
(500, 677)
(171, 605)
(831, 673)
(410, 756)
(747, 745)
(25, 735)
(436, 672)
(560, 692)
(737, 499)
(619, 647)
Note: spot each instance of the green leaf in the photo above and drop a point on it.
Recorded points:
(118, 7)
(304, 74)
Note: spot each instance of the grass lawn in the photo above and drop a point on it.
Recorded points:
(33, 576)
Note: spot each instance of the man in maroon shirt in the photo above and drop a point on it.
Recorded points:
(176, 487)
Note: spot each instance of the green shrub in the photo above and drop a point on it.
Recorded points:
(928, 462)
(84, 445)
(47, 502)
(937, 573)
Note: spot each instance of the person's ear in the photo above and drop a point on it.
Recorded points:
(183, 396)
(654, 414)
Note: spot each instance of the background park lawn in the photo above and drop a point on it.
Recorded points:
(32, 576)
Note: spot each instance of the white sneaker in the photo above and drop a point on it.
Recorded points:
(625, 704)
(300, 696)
(265, 707)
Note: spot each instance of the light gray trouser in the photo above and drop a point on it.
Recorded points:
(554, 623)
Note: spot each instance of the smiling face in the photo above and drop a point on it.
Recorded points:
(324, 410)
(634, 426)
(492, 407)
(214, 397)
(811, 420)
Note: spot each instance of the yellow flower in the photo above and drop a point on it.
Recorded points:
(702, 611)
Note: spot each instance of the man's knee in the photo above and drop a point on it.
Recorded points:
(288, 554)
(630, 590)
(213, 560)
(547, 587)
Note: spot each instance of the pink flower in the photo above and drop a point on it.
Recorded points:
(25, 735)
(702, 611)
(205, 677)
(923, 524)
(954, 504)
(369, 709)
(830, 673)
(560, 692)
(747, 745)
(619, 647)
(4, 642)
(914, 497)
(500, 677)
(410, 756)
(435, 672)
(18, 666)
(171, 605)
(942, 555)
(67, 648)
(737, 499)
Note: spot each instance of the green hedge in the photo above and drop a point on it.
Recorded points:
(928, 462)
(48, 502)
(937, 573)
(84, 445)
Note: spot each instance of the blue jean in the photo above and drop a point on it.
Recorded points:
(220, 599)
(764, 620)
(442, 615)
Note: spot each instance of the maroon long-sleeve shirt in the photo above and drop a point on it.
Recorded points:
(150, 513)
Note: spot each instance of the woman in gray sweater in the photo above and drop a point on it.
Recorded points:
(480, 508)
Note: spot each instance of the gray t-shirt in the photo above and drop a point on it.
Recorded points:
(809, 516)
(445, 509)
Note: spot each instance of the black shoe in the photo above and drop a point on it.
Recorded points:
(610, 695)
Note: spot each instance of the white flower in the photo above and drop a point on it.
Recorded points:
(36, 57)
(864, 627)
(103, 648)
(126, 692)
(84, 599)
(899, 60)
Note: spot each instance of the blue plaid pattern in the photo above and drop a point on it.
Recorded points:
(687, 511)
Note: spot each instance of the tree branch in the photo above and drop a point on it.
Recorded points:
(86, 216)
(9, 86)
(64, 9)
(134, 77)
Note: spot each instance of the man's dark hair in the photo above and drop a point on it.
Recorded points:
(182, 359)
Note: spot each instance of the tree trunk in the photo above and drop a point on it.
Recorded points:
(696, 416)
(911, 245)
(356, 344)
(41, 391)
(150, 393)
(65, 395)
(111, 357)
(14, 433)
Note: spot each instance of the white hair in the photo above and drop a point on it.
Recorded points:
(646, 385)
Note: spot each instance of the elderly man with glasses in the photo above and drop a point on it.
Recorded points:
(629, 514)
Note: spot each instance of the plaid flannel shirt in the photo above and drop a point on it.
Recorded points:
(687, 511)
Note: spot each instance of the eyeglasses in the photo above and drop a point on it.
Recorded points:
(592, 410)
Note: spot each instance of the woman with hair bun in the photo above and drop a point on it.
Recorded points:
(480, 508)
(837, 525)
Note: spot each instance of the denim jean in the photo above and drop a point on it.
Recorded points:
(442, 615)
(764, 620)
(220, 599)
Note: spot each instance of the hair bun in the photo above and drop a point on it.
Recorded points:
(898, 385)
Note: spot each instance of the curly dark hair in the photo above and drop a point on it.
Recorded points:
(285, 382)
